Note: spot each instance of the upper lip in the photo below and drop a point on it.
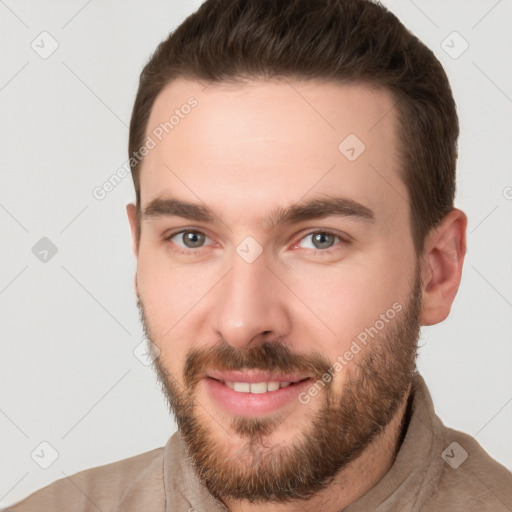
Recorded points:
(253, 376)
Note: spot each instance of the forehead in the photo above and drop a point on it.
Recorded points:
(247, 147)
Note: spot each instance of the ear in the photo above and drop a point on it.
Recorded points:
(441, 267)
(131, 211)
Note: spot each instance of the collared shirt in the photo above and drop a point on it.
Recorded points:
(436, 469)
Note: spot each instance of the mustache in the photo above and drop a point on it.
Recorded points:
(270, 356)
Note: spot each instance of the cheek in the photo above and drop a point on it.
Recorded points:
(349, 299)
(168, 295)
(177, 301)
(166, 287)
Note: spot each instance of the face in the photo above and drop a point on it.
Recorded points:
(277, 276)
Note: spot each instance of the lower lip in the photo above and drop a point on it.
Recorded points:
(253, 404)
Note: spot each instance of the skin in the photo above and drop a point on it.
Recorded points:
(244, 151)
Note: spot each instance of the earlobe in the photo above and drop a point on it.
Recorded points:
(131, 211)
(441, 267)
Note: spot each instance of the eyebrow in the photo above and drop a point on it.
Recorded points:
(310, 210)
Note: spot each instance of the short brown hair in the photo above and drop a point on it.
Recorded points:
(343, 41)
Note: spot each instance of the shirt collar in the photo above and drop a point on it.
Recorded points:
(418, 466)
(182, 486)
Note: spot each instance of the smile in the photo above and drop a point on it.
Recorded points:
(236, 396)
(256, 387)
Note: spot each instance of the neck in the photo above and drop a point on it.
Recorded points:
(350, 484)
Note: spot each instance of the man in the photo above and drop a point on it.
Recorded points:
(294, 168)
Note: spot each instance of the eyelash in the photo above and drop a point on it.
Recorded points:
(316, 252)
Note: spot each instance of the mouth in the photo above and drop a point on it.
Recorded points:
(254, 394)
(258, 387)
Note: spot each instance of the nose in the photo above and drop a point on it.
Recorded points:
(251, 305)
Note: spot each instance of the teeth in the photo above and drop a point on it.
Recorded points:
(256, 387)
(259, 387)
(242, 387)
(273, 386)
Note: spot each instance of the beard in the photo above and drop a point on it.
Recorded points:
(345, 425)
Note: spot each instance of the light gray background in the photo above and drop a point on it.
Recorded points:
(69, 326)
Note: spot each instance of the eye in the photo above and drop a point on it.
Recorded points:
(319, 240)
(188, 239)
